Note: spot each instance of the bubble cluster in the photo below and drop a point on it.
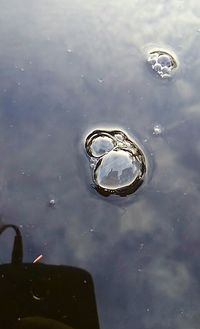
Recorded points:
(162, 62)
(117, 163)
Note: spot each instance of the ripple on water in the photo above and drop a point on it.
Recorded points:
(118, 164)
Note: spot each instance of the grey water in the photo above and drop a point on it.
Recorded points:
(70, 67)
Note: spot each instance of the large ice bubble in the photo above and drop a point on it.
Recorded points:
(118, 163)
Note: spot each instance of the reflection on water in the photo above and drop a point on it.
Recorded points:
(143, 251)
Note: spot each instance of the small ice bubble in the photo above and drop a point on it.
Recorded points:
(22, 69)
(152, 61)
(165, 76)
(92, 165)
(166, 70)
(52, 203)
(69, 50)
(157, 129)
(100, 80)
(141, 246)
(162, 62)
(157, 67)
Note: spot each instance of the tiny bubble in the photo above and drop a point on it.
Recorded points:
(100, 80)
(22, 69)
(141, 246)
(69, 51)
(52, 203)
(157, 129)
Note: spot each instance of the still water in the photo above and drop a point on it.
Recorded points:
(70, 67)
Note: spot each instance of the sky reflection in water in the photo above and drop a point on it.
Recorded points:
(72, 67)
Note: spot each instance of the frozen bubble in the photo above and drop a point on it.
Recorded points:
(99, 145)
(119, 165)
(157, 129)
(116, 170)
(162, 62)
(165, 70)
(52, 203)
(165, 76)
(157, 67)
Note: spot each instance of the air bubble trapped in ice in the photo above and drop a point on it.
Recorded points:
(117, 163)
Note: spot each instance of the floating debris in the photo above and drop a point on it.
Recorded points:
(118, 164)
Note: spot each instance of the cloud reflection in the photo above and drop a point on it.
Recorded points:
(143, 251)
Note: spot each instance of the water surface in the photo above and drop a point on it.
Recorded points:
(67, 68)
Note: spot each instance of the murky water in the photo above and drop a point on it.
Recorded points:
(67, 68)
